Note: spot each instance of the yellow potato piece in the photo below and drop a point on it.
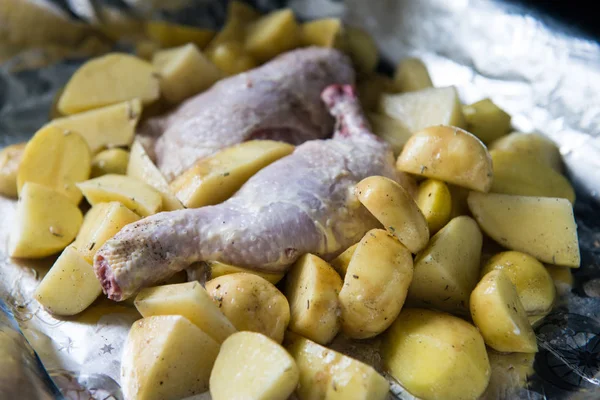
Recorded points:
(109, 126)
(102, 222)
(312, 288)
(532, 145)
(435, 202)
(362, 49)
(138, 196)
(500, 316)
(219, 269)
(562, 277)
(540, 226)
(252, 366)
(375, 285)
(107, 80)
(459, 200)
(145, 49)
(55, 159)
(239, 15)
(411, 75)
(533, 282)
(391, 130)
(327, 374)
(341, 262)
(448, 269)
(70, 286)
(54, 112)
(370, 89)
(172, 35)
(526, 176)
(166, 358)
(486, 120)
(449, 154)
(214, 179)
(272, 34)
(395, 208)
(10, 159)
(424, 108)
(189, 300)
(436, 356)
(232, 58)
(111, 161)
(251, 303)
(183, 72)
(46, 222)
(326, 32)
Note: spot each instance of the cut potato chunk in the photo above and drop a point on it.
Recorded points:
(411, 75)
(541, 226)
(532, 145)
(46, 222)
(252, 366)
(251, 303)
(391, 130)
(138, 196)
(432, 353)
(421, 109)
(145, 49)
(370, 89)
(531, 279)
(312, 289)
(214, 179)
(189, 300)
(109, 126)
(111, 161)
(448, 269)
(327, 374)
(375, 285)
(273, 34)
(219, 269)
(102, 222)
(526, 176)
(107, 80)
(184, 71)
(239, 15)
(486, 120)
(166, 358)
(500, 316)
(232, 58)
(341, 262)
(562, 277)
(459, 200)
(10, 159)
(70, 286)
(395, 208)
(362, 49)
(435, 202)
(449, 154)
(172, 35)
(55, 159)
(326, 32)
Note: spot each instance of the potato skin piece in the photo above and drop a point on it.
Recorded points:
(435, 202)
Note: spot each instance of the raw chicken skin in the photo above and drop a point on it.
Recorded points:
(303, 203)
(278, 101)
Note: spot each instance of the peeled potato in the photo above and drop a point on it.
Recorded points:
(272, 34)
(239, 15)
(531, 145)
(372, 87)
(107, 80)
(232, 58)
(362, 49)
(500, 316)
(435, 202)
(55, 159)
(486, 120)
(340, 263)
(10, 158)
(326, 32)
(135, 195)
(46, 222)
(172, 35)
(562, 277)
(395, 208)
(219, 269)
(411, 75)
(449, 154)
(391, 130)
(459, 200)
(543, 227)
(111, 161)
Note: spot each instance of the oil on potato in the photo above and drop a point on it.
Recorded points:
(217, 268)
(111, 161)
(531, 145)
(10, 159)
(411, 75)
(272, 34)
(435, 202)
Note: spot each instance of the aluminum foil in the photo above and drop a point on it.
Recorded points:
(547, 77)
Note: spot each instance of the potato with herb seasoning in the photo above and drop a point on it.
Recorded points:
(217, 269)
(435, 202)
(340, 263)
(111, 161)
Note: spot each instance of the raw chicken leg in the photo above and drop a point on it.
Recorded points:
(303, 203)
(278, 101)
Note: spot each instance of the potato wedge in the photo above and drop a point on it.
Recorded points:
(55, 159)
(431, 353)
(533, 145)
(138, 196)
(526, 176)
(46, 222)
(272, 34)
(232, 58)
(561, 276)
(70, 286)
(546, 226)
(183, 72)
(532, 281)
(435, 202)
(189, 300)
(219, 269)
(372, 87)
(500, 316)
(252, 366)
(102, 222)
(362, 49)
(424, 108)
(312, 287)
(239, 15)
(166, 358)
(459, 201)
(145, 49)
(327, 374)
(111, 161)
(448, 269)
(251, 303)
(109, 126)
(341, 262)
(325, 32)
(411, 75)
(375, 285)
(172, 35)
(486, 120)
(449, 154)
(214, 179)
(391, 130)
(10, 159)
